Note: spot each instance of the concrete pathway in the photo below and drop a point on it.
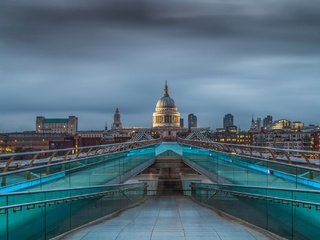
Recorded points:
(161, 218)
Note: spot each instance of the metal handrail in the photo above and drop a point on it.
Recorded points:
(260, 187)
(252, 146)
(287, 154)
(76, 197)
(65, 189)
(273, 199)
(74, 148)
(294, 202)
(49, 164)
(109, 148)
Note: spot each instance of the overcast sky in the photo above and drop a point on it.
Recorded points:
(85, 58)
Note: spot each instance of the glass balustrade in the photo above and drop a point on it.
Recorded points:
(89, 171)
(289, 213)
(47, 214)
(235, 169)
(50, 200)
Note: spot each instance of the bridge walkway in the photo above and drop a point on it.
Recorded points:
(169, 217)
(57, 198)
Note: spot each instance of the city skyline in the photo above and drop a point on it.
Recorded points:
(70, 58)
(126, 117)
(110, 123)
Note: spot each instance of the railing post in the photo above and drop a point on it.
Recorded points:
(65, 158)
(3, 181)
(261, 155)
(145, 189)
(96, 152)
(193, 189)
(33, 159)
(90, 149)
(52, 156)
(287, 156)
(250, 150)
(241, 149)
(306, 158)
(78, 153)
(272, 154)
(8, 164)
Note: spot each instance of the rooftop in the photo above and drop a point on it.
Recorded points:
(55, 120)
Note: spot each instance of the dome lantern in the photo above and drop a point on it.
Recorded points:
(166, 90)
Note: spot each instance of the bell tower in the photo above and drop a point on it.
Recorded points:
(116, 120)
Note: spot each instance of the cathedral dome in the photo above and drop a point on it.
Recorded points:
(166, 102)
(166, 113)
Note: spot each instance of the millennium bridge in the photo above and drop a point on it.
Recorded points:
(159, 190)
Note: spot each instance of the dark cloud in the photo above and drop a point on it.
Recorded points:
(86, 58)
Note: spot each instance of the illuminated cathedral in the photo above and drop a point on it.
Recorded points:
(166, 113)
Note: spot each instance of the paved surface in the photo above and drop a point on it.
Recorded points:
(161, 218)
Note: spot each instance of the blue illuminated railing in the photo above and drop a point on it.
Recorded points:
(290, 213)
(16, 161)
(47, 214)
(300, 157)
(224, 167)
(111, 167)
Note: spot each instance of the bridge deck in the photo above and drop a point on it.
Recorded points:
(171, 217)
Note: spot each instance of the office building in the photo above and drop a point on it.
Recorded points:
(267, 122)
(57, 125)
(227, 121)
(181, 122)
(192, 121)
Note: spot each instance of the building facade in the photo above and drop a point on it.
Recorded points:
(232, 137)
(33, 141)
(281, 124)
(255, 125)
(192, 121)
(181, 122)
(3, 144)
(286, 139)
(227, 121)
(316, 141)
(297, 125)
(57, 125)
(267, 122)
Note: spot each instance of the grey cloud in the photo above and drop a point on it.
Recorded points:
(196, 19)
(86, 58)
